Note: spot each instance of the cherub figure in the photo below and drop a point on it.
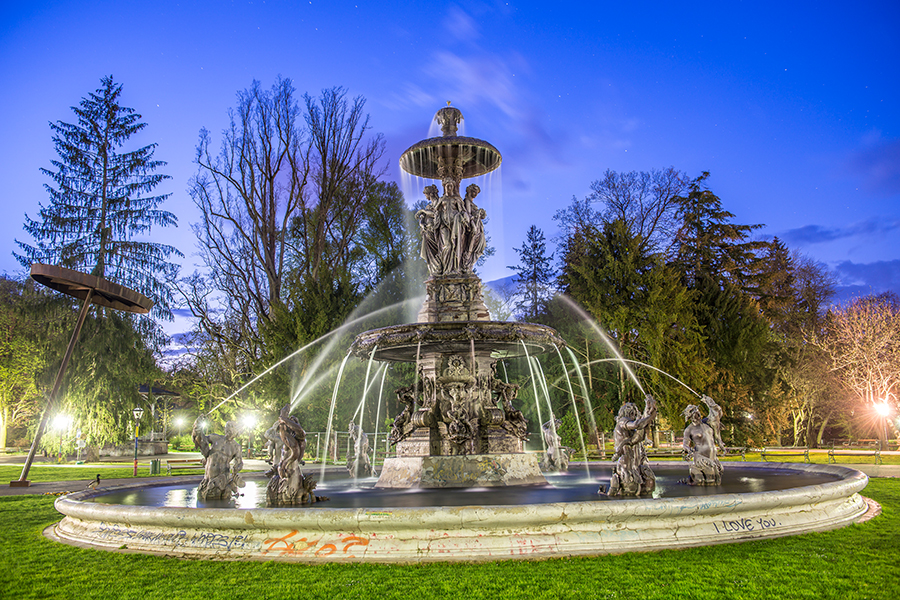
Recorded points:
(222, 454)
(632, 475)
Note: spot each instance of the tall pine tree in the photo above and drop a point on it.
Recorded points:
(534, 276)
(101, 199)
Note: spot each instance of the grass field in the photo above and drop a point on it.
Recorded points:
(859, 561)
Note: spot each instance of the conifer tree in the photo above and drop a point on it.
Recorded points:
(101, 199)
(534, 276)
(710, 244)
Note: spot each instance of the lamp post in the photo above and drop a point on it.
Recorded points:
(138, 412)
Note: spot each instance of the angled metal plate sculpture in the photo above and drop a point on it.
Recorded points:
(79, 285)
(90, 289)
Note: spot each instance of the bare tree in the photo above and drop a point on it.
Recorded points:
(344, 164)
(646, 202)
(863, 341)
(281, 203)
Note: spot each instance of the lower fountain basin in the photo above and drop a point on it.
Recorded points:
(390, 526)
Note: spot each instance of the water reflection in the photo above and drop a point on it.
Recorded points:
(566, 487)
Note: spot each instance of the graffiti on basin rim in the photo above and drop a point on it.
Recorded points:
(112, 531)
(180, 538)
(745, 524)
(291, 545)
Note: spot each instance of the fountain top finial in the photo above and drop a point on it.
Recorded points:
(448, 118)
(473, 156)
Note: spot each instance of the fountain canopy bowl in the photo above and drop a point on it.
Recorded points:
(423, 159)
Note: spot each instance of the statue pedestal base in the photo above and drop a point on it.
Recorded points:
(473, 470)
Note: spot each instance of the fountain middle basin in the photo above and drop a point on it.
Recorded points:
(402, 526)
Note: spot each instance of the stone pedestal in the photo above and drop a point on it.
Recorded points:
(472, 470)
(453, 298)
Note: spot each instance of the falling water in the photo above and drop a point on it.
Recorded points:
(537, 403)
(326, 351)
(299, 395)
(378, 416)
(637, 362)
(546, 390)
(575, 411)
(585, 395)
(367, 383)
(331, 417)
(612, 347)
(319, 359)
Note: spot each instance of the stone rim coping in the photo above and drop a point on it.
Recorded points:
(377, 520)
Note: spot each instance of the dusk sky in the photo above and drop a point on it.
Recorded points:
(794, 108)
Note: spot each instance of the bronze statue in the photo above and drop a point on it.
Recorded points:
(632, 475)
(699, 447)
(222, 455)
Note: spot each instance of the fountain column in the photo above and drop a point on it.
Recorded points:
(461, 428)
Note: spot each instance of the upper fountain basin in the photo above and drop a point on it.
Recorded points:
(403, 343)
(478, 157)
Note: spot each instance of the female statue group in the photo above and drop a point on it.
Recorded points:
(452, 229)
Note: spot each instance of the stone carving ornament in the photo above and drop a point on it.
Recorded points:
(402, 426)
(288, 485)
(223, 462)
(632, 475)
(700, 439)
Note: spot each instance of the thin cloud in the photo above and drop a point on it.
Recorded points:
(878, 276)
(816, 234)
(878, 165)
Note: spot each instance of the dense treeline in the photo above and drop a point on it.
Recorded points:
(304, 245)
(664, 272)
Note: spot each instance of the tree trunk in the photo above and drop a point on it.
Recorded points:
(822, 429)
(4, 420)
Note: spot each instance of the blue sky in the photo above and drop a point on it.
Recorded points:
(792, 107)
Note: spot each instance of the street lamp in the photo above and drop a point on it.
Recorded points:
(138, 412)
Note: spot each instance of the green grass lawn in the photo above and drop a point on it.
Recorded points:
(72, 473)
(859, 561)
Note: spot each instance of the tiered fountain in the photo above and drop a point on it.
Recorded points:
(459, 427)
(460, 430)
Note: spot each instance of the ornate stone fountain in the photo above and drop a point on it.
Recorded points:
(459, 427)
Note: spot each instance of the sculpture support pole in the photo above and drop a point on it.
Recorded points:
(23, 478)
(134, 474)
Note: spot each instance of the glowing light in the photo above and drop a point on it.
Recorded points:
(883, 409)
(249, 420)
(61, 421)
